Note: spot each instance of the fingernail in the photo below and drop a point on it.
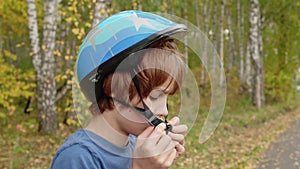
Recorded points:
(161, 126)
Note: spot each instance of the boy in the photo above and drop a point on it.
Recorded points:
(127, 66)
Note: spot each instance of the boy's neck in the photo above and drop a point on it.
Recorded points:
(100, 125)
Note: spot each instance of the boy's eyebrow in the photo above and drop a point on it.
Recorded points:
(169, 89)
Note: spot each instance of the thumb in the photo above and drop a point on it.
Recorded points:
(174, 121)
(146, 132)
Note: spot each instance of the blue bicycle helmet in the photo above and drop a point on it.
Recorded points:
(115, 38)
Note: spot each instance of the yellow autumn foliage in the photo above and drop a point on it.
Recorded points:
(15, 84)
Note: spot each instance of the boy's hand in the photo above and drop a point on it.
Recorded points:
(154, 149)
(177, 134)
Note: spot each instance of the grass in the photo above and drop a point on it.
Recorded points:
(241, 138)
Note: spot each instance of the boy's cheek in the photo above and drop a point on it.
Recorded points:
(137, 129)
(133, 116)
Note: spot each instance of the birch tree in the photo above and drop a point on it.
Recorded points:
(44, 62)
(206, 15)
(214, 33)
(100, 11)
(232, 54)
(196, 2)
(222, 41)
(185, 11)
(240, 27)
(255, 45)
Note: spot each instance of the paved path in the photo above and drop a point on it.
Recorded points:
(285, 152)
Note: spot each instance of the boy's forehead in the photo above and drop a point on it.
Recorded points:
(167, 86)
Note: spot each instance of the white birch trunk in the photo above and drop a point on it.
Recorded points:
(100, 11)
(240, 27)
(222, 41)
(248, 68)
(215, 37)
(255, 52)
(35, 47)
(1, 45)
(262, 73)
(206, 14)
(196, 2)
(48, 84)
(34, 36)
(44, 62)
(185, 37)
(232, 53)
(60, 47)
(202, 71)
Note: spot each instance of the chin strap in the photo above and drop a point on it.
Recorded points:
(151, 118)
(146, 112)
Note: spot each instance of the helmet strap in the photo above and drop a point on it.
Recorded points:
(146, 112)
(151, 118)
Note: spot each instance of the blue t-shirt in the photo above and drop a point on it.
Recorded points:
(87, 150)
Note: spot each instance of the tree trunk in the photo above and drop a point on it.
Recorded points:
(206, 15)
(185, 13)
(71, 116)
(248, 68)
(60, 47)
(44, 62)
(140, 7)
(196, 3)
(34, 37)
(100, 11)
(1, 43)
(48, 84)
(232, 53)
(260, 43)
(222, 41)
(202, 70)
(215, 37)
(240, 27)
(35, 47)
(256, 55)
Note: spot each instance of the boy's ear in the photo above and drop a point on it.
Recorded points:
(106, 86)
(136, 101)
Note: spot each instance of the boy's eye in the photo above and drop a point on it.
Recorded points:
(153, 98)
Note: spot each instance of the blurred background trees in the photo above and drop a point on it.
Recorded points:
(258, 42)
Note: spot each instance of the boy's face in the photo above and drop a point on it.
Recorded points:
(134, 122)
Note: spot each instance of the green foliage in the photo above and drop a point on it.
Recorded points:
(281, 48)
(279, 87)
(15, 85)
(241, 121)
(17, 77)
(78, 16)
(12, 15)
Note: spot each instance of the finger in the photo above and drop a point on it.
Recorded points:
(161, 127)
(176, 137)
(146, 132)
(180, 149)
(157, 133)
(170, 158)
(180, 129)
(174, 121)
(164, 144)
(181, 142)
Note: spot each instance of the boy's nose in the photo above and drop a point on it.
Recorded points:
(164, 111)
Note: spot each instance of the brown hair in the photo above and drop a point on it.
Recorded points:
(161, 59)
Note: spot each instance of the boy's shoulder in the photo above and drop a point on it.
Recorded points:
(76, 151)
(75, 156)
(88, 149)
